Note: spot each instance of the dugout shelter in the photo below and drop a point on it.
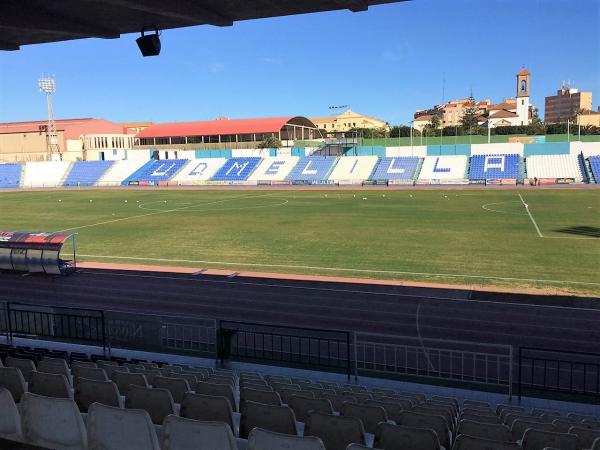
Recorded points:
(38, 252)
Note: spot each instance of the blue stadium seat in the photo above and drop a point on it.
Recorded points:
(10, 175)
(486, 167)
(396, 168)
(237, 169)
(312, 168)
(155, 171)
(594, 164)
(86, 173)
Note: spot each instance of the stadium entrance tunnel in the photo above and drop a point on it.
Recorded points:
(37, 252)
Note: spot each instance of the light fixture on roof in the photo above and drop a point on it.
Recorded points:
(149, 44)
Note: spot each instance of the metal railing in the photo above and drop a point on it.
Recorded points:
(442, 359)
(57, 323)
(555, 371)
(311, 348)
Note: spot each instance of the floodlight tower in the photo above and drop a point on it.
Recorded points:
(47, 85)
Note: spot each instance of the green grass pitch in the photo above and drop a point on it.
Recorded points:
(475, 237)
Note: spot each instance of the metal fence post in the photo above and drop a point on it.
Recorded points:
(520, 370)
(9, 324)
(510, 373)
(102, 317)
(349, 370)
(355, 357)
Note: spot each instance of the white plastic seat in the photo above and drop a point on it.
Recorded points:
(434, 422)
(336, 432)
(258, 396)
(496, 432)
(157, 402)
(10, 419)
(187, 434)
(26, 366)
(126, 380)
(52, 422)
(176, 386)
(89, 373)
(465, 442)
(537, 440)
(221, 390)
(302, 406)
(88, 392)
(260, 439)
(398, 437)
(370, 416)
(585, 436)
(12, 379)
(111, 428)
(207, 408)
(50, 385)
(280, 419)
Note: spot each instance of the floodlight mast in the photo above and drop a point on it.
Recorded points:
(47, 85)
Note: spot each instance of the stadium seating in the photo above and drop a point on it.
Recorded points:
(44, 174)
(155, 171)
(10, 176)
(398, 168)
(554, 166)
(444, 168)
(353, 168)
(312, 168)
(10, 419)
(111, 428)
(237, 169)
(485, 167)
(184, 434)
(86, 173)
(197, 170)
(594, 165)
(421, 421)
(52, 422)
(274, 169)
(118, 171)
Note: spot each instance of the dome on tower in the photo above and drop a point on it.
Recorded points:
(523, 72)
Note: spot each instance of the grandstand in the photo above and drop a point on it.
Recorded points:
(44, 174)
(595, 167)
(399, 168)
(554, 166)
(353, 169)
(86, 173)
(274, 169)
(74, 400)
(119, 171)
(10, 176)
(485, 167)
(312, 168)
(198, 170)
(444, 168)
(236, 169)
(156, 171)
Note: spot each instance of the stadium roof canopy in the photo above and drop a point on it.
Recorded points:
(25, 22)
(223, 127)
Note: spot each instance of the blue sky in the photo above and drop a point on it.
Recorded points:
(385, 62)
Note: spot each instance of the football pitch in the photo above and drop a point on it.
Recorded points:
(467, 237)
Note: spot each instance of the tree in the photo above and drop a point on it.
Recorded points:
(270, 142)
(470, 117)
(536, 126)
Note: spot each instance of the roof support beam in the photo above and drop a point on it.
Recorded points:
(4, 45)
(192, 11)
(16, 17)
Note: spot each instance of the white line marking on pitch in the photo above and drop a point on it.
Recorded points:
(339, 269)
(526, 206)
(499, 211)
(348, 291)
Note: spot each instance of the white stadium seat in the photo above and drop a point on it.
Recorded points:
(119, 171)
(274, 168)
(353, 168)
(198, 170)
(45, 173)
(553, 166)
(444, 168)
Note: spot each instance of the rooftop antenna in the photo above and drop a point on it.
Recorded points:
(47, 85)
